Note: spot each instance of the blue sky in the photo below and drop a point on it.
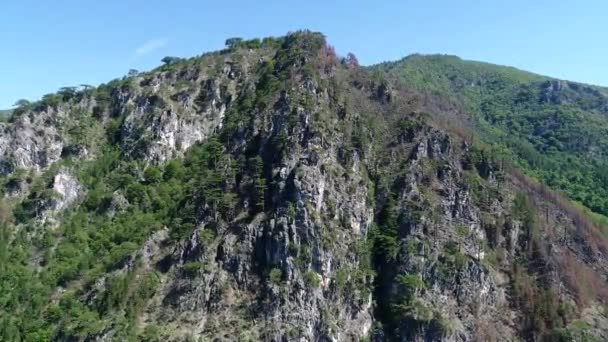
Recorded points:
(50, 44)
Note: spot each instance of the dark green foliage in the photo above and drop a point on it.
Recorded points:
(272, 42)
(395, 293)
(479, 160)
(173, 169)
(360, 139)
(168, 60)
(232, 43)
(384, 237)
(103, 100)
(267, 85)
(153, 175)
(341, 278)
(78, 320)
(67, 93)
(254, 43)
(116, 290)
(407, 128)
(22, 103)
(50, 100)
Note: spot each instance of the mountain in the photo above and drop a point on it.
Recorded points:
(274, 191)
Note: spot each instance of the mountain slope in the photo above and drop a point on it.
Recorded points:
(556, 130)
(271, 191)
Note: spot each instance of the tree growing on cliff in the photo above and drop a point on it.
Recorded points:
(234, 42)
(168, 60)
(22, 103)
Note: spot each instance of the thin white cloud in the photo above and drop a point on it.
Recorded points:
(149, 46)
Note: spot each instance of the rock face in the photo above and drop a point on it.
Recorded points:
(269, 192)
(564, 92)
(67, 188)
(31, 142)
(171, 125)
